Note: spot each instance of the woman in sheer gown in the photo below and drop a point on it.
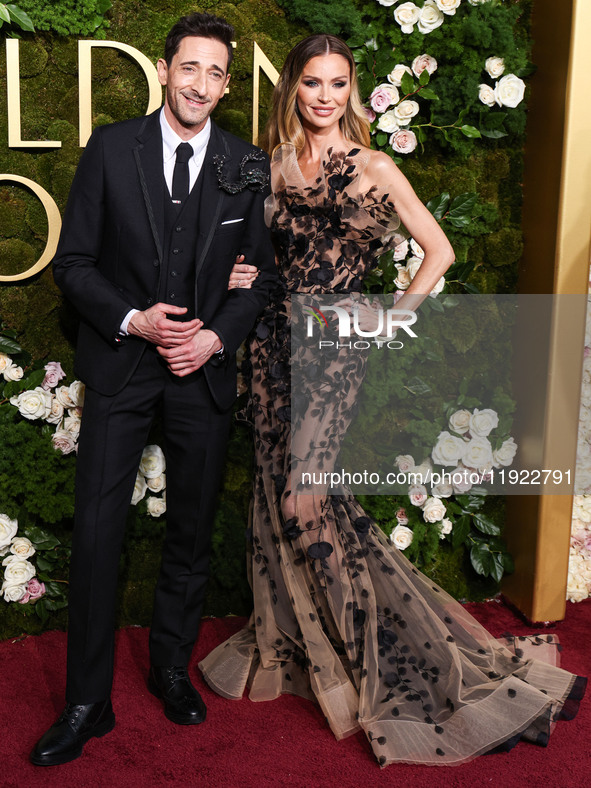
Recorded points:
(340, 615)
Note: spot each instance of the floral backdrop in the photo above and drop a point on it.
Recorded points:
(579, 566)
(444, 85)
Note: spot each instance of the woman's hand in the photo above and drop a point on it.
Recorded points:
(242, 275)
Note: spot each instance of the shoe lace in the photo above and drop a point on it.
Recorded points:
(178, 674)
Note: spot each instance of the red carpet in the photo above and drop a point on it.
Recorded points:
(279, 743)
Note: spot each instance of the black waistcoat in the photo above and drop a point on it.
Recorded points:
(177, 279)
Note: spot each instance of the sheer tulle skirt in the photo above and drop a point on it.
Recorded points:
(343, 618)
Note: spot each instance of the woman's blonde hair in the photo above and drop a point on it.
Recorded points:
(284, 124)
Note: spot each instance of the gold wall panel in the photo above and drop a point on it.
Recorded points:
(557, 228)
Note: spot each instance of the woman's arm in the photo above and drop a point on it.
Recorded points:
(439, 254)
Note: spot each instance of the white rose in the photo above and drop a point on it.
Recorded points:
(438, 287)
(405, 111)
(405, 462)
(422, 472)
(64, 441)
(139, 489)
(33, 404)
(13, 592)
(412, 265)
(22, 547)
(388, 122)
(401, 250)
(509, 91)
(156, 506)
(8, 529)
(445, 527)
(395, 76)
(460, 421)
(18, 570)
(387, 3)
(62, 394)
(72, 424)
(56, 413)
(448, 449)
(5, 362)
(486, 94)
(505, 454)
(77, 389)
(483, 422)
(442, 490)
(577, 592)
(391, 89)
(581, 508)
(402, 280)
(417, 250)
(478, 454)
(448, 6)
(430, 18)
(434, 510)
(13, 373)
(407, 15)
(424, 63)
(494, 66)
(152, 463)
(417, 494)
(461, 479)
(401, 537)
(403, 141)
(157, 483)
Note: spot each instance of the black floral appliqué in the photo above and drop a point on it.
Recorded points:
(252, 178)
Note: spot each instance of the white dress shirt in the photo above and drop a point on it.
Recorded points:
(170, 142)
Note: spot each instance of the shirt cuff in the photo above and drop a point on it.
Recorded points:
(123, 327)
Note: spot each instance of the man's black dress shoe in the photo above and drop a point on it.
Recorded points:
(182, 702)
(77, 724)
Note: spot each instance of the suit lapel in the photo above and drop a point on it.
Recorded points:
(212, 196)
(148, 157)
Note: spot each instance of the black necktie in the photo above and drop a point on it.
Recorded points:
(180, 176)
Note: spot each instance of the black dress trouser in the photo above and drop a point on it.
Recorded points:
(113, 435)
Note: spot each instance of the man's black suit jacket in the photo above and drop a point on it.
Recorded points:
(109, 256)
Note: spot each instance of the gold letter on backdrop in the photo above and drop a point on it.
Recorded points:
(260, 61)
(85, 81)
(13, 90)
(54, 223)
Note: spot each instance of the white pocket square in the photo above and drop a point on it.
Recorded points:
(232, 221)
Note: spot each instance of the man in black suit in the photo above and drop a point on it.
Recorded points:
(159, 209)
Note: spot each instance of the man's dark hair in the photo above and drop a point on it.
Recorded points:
(203, 25)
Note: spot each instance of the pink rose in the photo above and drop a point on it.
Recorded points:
(371, 115)
(24, 599)
(418, 495)
(401, 516)
(381, 99)
(53, 374)
(35, 589)
(64, 441)
(422, 63)
(403, 141)
(401, 250)
(461, 479)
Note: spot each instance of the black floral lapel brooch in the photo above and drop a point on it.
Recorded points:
(252, 178)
